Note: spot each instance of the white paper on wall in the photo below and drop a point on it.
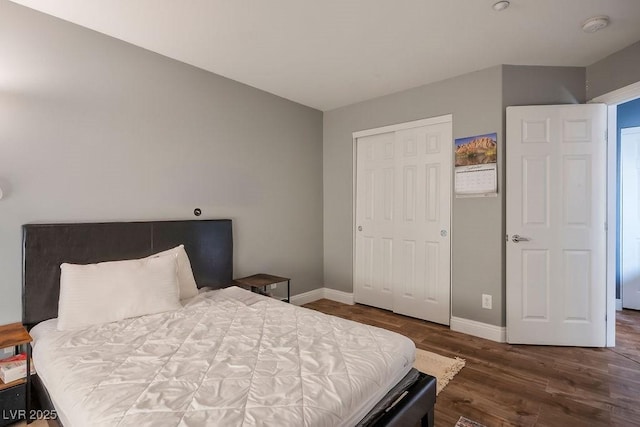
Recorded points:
(477, 180)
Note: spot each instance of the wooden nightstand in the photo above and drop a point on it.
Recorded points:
(258, 282)
(14, 396)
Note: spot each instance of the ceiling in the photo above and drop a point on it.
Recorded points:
(331, 53)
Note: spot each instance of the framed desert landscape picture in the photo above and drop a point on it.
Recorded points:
(476, 150)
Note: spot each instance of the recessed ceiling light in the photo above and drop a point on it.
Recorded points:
(594, 24)
(501, 5)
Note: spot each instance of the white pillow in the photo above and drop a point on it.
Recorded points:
(108, 291)
(186, 281)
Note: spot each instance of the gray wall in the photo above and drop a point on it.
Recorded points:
(535, 85)
(475, 100)
(94, 129)
(614, 72)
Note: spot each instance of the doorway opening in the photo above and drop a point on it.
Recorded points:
(628, 195)
(628, 228)
(613, 100)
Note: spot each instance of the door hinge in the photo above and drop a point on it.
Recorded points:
(606, 135)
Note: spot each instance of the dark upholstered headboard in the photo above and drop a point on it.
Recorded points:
(209, 244)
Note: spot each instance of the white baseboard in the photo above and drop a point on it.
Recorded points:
(339, 296)
(320, 293)
(479, 329)
(618, 305)
(307, 297)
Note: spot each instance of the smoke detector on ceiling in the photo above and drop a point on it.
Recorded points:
(594, 24)
(501, 5)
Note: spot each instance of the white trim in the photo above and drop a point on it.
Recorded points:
(339, 296)
(479, 329)
(307, 297)
(354, 204)
(619, 96)
(320, 293)
(612, 220)
(400, 126)
(618, 305)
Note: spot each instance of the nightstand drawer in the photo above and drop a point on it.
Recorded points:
(12, 404)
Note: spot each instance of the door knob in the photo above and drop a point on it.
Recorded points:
(359, 228)
(516, 238)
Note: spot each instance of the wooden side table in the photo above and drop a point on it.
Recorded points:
(258, 282)
(11, 394)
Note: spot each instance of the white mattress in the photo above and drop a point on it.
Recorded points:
(228, 358)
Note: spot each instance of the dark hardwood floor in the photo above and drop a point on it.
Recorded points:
(520, 385)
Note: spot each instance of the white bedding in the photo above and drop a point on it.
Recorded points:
(228, 358)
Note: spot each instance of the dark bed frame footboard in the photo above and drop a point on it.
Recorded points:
(415, 408)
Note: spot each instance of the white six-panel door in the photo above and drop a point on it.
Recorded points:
(403, 210)
(556, 213)
(630, 225)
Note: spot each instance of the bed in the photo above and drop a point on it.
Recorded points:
(225, 357)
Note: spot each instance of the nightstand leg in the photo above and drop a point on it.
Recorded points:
(27, 405)
(289, 291)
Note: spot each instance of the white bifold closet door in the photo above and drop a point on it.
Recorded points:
(403, 216)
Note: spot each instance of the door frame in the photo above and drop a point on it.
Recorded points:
(446, 118)
(613, 99)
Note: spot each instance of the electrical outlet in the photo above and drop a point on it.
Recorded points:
(486, 301)
(274, 285)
